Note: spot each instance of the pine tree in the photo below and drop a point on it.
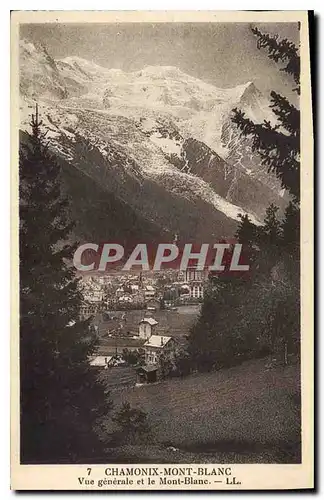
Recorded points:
(281, 50)
(248, 235)
(271, 229)
(61, 400)
(215, 340)
(242, 317)
(270, 236)
(246, 231)
(278, 145)
(291, 229)
(202, 339)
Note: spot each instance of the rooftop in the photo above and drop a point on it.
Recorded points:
(177, 324)
(150, 321)
(157, 341)
(147, 368)
(100, 360)
(109, 345)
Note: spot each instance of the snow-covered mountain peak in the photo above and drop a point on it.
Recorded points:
(244, 86)
(157, 126)
(162, 72)
(39, 75)
(164, 88)
(88, 68)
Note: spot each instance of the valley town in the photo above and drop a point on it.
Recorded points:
(141, 318)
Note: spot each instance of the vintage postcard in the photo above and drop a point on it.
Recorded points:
(162, 251)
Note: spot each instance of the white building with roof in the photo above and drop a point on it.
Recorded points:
(157, 345)
(197, 290)
(147, 327)
(101, 361)
(149, 292)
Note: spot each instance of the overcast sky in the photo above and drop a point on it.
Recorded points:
(224, 54)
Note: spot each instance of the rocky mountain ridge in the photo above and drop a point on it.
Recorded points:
(153, 140)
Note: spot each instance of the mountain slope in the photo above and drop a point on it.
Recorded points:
(137, 136)
(233, 184)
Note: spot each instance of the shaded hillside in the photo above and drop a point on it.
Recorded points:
(110, 203)
(100, 215)
(210, 419)
(230, 182)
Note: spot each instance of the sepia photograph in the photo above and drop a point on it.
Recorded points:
(159, 246)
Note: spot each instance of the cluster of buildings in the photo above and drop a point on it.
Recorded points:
(140, 318)
(150, 344)
(115, 291)
(191, 282)
(120, 291)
